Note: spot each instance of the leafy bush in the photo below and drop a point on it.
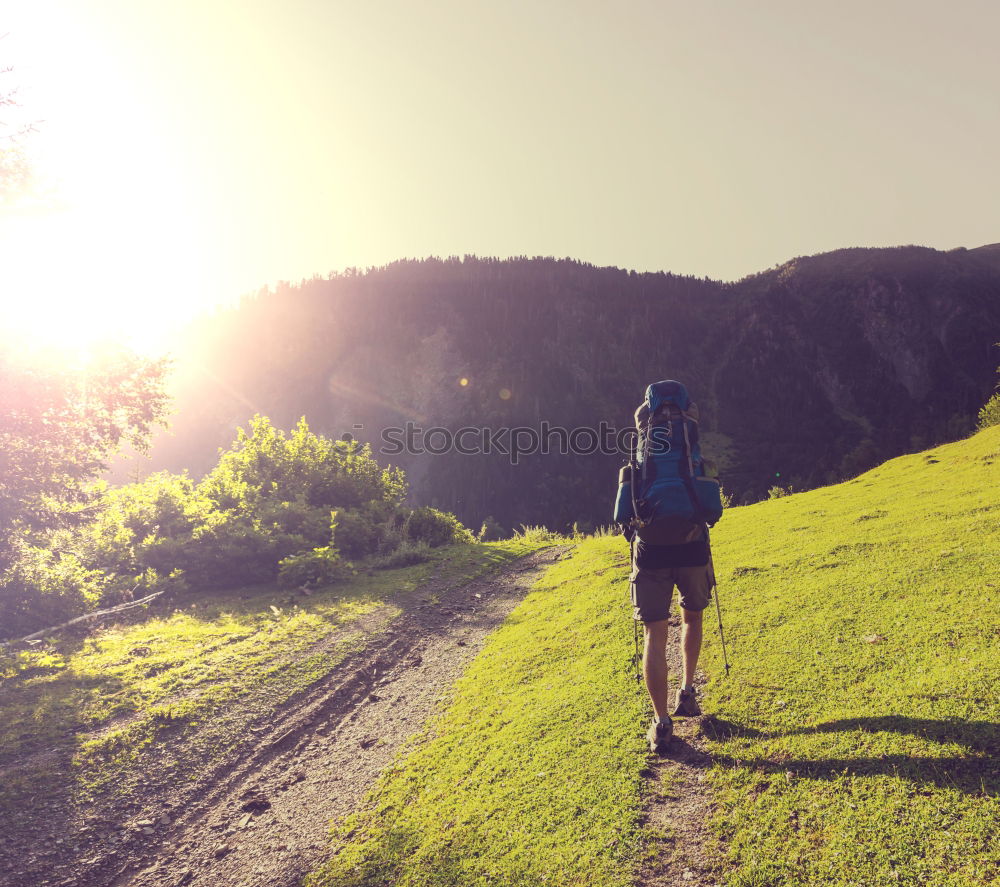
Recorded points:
(59, 425)
(42, 588)
(407, 554)
(133, 521)
(321, 566)
(989, 415)
(356, 533)
(426, 524)
(297, 518)
(490, 531)
(265, 465)
(231, 549)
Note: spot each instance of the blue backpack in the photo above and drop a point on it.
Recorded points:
(665, 491)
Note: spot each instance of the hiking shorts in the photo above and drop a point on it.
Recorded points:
(652, 589)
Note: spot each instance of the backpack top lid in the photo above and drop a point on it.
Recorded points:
(667, 391)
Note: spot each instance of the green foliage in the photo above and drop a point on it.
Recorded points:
(538, 534)
(138, 527)
(491, 530)
(43, 588)
(777, 492)
(275, 504)
(434, 527)
(270, 497)
(58, 427)
(357, 532)
(265, 465)
(989, 415)
(407, 554)
(321, 566)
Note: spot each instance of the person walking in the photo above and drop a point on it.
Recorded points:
(666, 503)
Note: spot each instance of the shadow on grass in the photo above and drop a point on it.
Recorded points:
(977, 773)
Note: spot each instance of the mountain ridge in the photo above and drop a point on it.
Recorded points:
(806, 373)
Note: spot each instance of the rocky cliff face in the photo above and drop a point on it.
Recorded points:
(805, 374)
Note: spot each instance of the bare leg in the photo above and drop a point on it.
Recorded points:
(690, 643)
(654, 664)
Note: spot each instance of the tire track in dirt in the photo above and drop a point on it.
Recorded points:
(262, 820)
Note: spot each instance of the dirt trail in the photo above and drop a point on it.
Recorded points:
(262, 820)
(680, 803)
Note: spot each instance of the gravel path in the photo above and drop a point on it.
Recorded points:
(680, 803)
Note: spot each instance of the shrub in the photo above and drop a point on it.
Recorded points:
(538, 534)
(321, 566)
(426, 524)
(407, 554)
(356, 533)
(989, 415)
(42, 588)
(296, 518)
(490, 531)
(233, 549)
(134, 522)
(266, 465)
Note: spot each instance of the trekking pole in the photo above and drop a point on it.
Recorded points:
(635, 625)
(718, 609)
(722, 637)
(636, 658)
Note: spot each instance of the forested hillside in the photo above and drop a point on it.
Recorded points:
(806, 374)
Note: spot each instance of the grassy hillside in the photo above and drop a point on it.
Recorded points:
(863, 717)
(855, 742)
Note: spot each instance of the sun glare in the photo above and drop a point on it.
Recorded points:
(70, 282)
(107, 246)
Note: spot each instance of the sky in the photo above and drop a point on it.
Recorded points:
(188, 152)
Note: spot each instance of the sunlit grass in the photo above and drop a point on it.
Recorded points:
(862, 621)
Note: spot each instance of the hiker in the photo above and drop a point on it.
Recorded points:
(666, 503)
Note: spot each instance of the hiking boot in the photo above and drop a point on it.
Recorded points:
(659, 735)
(686, 705)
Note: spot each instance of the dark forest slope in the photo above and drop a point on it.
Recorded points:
(806, 373)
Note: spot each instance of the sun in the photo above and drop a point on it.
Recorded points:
(71, 279)
(106, 244)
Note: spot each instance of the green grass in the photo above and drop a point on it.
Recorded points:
(860, 727)
(856, 739)
(198, 670)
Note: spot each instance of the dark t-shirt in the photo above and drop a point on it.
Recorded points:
(693, 553)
